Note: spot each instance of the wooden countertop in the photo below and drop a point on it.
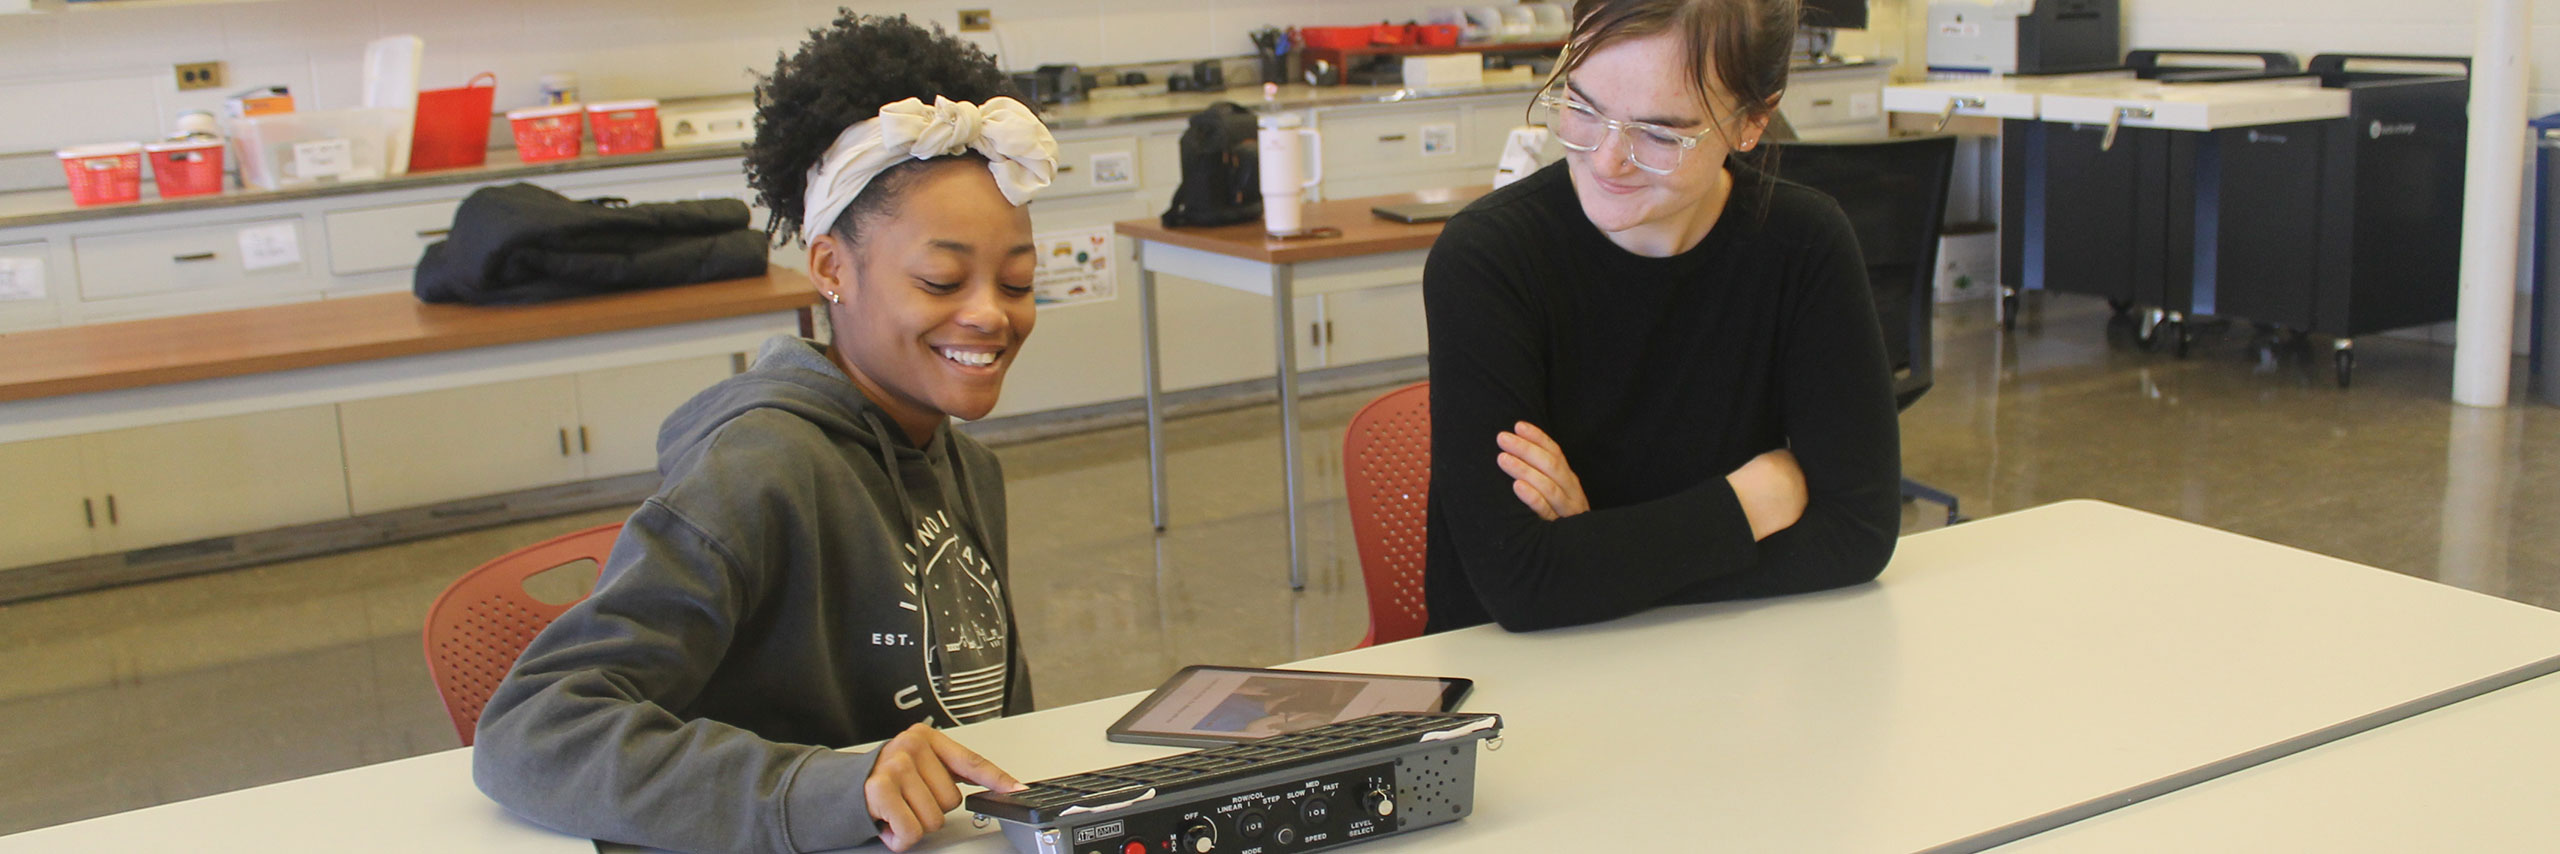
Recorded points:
(158, 351)
(1363, 232)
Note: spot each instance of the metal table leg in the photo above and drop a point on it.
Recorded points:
(1154, 368)
(1285, 338)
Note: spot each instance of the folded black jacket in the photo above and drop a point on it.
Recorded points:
(520, 243)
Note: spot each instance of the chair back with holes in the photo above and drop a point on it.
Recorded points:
(1386, 473)
(481, 623)
(1895, 193)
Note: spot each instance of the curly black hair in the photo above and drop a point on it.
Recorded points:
(844, 74)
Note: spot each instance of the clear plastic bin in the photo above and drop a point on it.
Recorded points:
(316, 147)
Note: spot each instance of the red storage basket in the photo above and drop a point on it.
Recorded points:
(1435, 35)
(1337, 38)
(1391, 34)
(547, 133)
(105, 174)
(188, 168)
(453, 125)
(624, 127)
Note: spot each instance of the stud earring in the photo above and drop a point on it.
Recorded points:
(834, 297)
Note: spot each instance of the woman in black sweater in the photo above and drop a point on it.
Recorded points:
(1656, 374)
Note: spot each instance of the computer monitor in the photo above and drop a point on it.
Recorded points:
(1836, 14)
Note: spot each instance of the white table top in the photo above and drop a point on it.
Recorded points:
(2000, 671)
(424, 804)
(2480, 775)
(2191, 106)
(2001, 675)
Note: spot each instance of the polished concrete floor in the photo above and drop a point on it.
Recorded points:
(141, 695)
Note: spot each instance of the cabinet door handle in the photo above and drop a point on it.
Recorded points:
(111, 509)
(564, 441)
(192, 257)
(582, 438)
(1064, 169)
(1393, 137)
(89, 509)
(1315, 335)
(1328, 332)
(435, 232)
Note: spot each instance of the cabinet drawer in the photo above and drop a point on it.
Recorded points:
(1378, 143)
(386, 238)
(1832, 103)
(1090, 166)
(180, 259)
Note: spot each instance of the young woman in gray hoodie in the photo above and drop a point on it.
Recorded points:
(824, 564)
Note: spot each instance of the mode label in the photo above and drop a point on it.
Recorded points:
(1099, 832)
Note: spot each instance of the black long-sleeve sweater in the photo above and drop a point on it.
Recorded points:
(1657, 376)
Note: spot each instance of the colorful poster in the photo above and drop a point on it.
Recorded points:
(1076, 266)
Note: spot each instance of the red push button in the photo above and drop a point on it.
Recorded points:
(1134, 847)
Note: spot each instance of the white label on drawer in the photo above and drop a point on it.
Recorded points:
(1441, 138)
(1076, 266)
(1865, 105)
(264, 247)
(1112, 169)
(322, 158)
(21, 279)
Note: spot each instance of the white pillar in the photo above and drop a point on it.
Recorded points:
(2484, 331)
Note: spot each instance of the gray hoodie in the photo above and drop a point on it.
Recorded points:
(804, 579)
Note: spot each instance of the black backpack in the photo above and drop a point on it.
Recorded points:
(1221, 173)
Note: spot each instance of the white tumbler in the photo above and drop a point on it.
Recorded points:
(1292, 161)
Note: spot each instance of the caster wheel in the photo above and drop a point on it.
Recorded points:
(2119, 307)
(2009, 309)
(2186, 339)
(2346, 361)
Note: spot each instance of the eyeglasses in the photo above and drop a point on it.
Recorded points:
(1651, 147)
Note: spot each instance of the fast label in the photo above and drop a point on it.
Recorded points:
(265, 247)
(21, 279)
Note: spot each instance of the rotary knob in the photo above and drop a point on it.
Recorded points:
(1200, 837)
(1378, 803)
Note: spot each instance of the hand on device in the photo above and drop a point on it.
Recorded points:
(1539, 476)
(911, 786)
(1772, 491)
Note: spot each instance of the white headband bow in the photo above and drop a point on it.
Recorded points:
(1017, 146)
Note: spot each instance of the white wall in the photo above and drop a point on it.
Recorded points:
(89, 75)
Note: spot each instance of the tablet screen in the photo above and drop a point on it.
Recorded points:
(1204, 704)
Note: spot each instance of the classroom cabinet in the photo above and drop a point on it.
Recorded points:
(46, 500)
(169, 483)
(431, 447)
(1374, 324)
(620, 409)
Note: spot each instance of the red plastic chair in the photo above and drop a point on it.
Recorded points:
(481, 623)
(1386, 475)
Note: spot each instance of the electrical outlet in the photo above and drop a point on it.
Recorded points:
(977, 20)
(199, 75)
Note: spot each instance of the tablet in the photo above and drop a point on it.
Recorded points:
(1421, 212)
(1205, 706)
